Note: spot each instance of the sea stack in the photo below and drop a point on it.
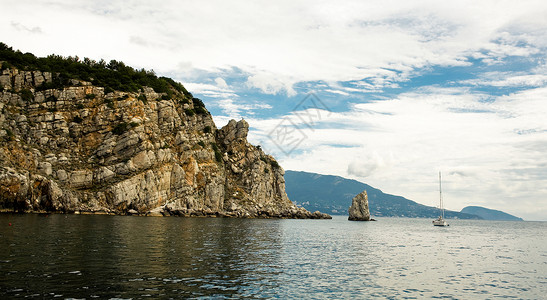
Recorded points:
(359, 208)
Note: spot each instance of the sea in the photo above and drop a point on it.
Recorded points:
(128, 257)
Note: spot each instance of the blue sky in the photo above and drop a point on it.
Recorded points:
(385, 92)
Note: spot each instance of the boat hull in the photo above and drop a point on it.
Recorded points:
(440, 222)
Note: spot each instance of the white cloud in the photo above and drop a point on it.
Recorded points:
(221, 83)
(235, 109)
(271, 84)
(210, 90)
(339, 92)
(283, 43)
(23, 28)
(509, 79)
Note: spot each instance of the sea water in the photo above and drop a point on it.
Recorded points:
(94, 256)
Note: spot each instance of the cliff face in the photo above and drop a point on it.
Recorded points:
(79, 149)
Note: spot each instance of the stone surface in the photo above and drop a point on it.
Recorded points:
(358, 210)
(116, 154)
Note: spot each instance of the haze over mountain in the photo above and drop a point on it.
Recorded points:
(333, 194)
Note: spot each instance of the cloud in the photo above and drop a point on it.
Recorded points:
(211, 90)
(365, 167)
(221, 83)
(279, 45)
(271, 84)
(339, 92)
(234, 109)
(20, 27)
(508, 79)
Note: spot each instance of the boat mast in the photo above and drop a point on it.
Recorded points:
(441, 196)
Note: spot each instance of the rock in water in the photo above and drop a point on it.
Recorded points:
(359, 208)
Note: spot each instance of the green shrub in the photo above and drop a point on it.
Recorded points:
(200, 110)
(218, 154)
(109, 103)
(26, 95)
(165, 97)
(80, 106)
(189, 112)
(272, 162)
(5, 65)
(197, 102)
(199, 107)
(90, 96)
(9, 136)
(142, 97)
(120, 128)
(133, 124)
(207, 129)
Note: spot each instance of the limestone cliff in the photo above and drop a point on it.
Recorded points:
(81, 149)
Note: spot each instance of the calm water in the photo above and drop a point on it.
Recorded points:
(82, 256)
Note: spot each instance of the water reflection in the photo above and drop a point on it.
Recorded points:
(112, 256)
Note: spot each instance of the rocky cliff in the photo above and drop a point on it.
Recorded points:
(81, 149)
(358, 210)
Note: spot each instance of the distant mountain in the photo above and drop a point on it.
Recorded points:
(489, 214)
(333, 194)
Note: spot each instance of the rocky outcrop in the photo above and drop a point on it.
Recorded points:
(358, 210)
(78, 149)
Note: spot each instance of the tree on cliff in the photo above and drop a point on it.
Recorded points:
(114, 75)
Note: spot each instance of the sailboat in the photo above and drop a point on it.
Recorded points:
(440, 221)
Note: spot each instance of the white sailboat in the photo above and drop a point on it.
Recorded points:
(440, 221)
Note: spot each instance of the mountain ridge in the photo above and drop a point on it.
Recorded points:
(332, 194)
(490, 214)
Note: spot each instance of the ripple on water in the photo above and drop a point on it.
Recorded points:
(127, 257)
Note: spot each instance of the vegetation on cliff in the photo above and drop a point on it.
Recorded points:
(113, 76)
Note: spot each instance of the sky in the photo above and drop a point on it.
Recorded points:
(385, 92)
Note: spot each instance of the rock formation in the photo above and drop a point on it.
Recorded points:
(79, 149)
(358, 210)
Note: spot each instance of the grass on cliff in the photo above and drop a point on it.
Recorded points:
(114, 75)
